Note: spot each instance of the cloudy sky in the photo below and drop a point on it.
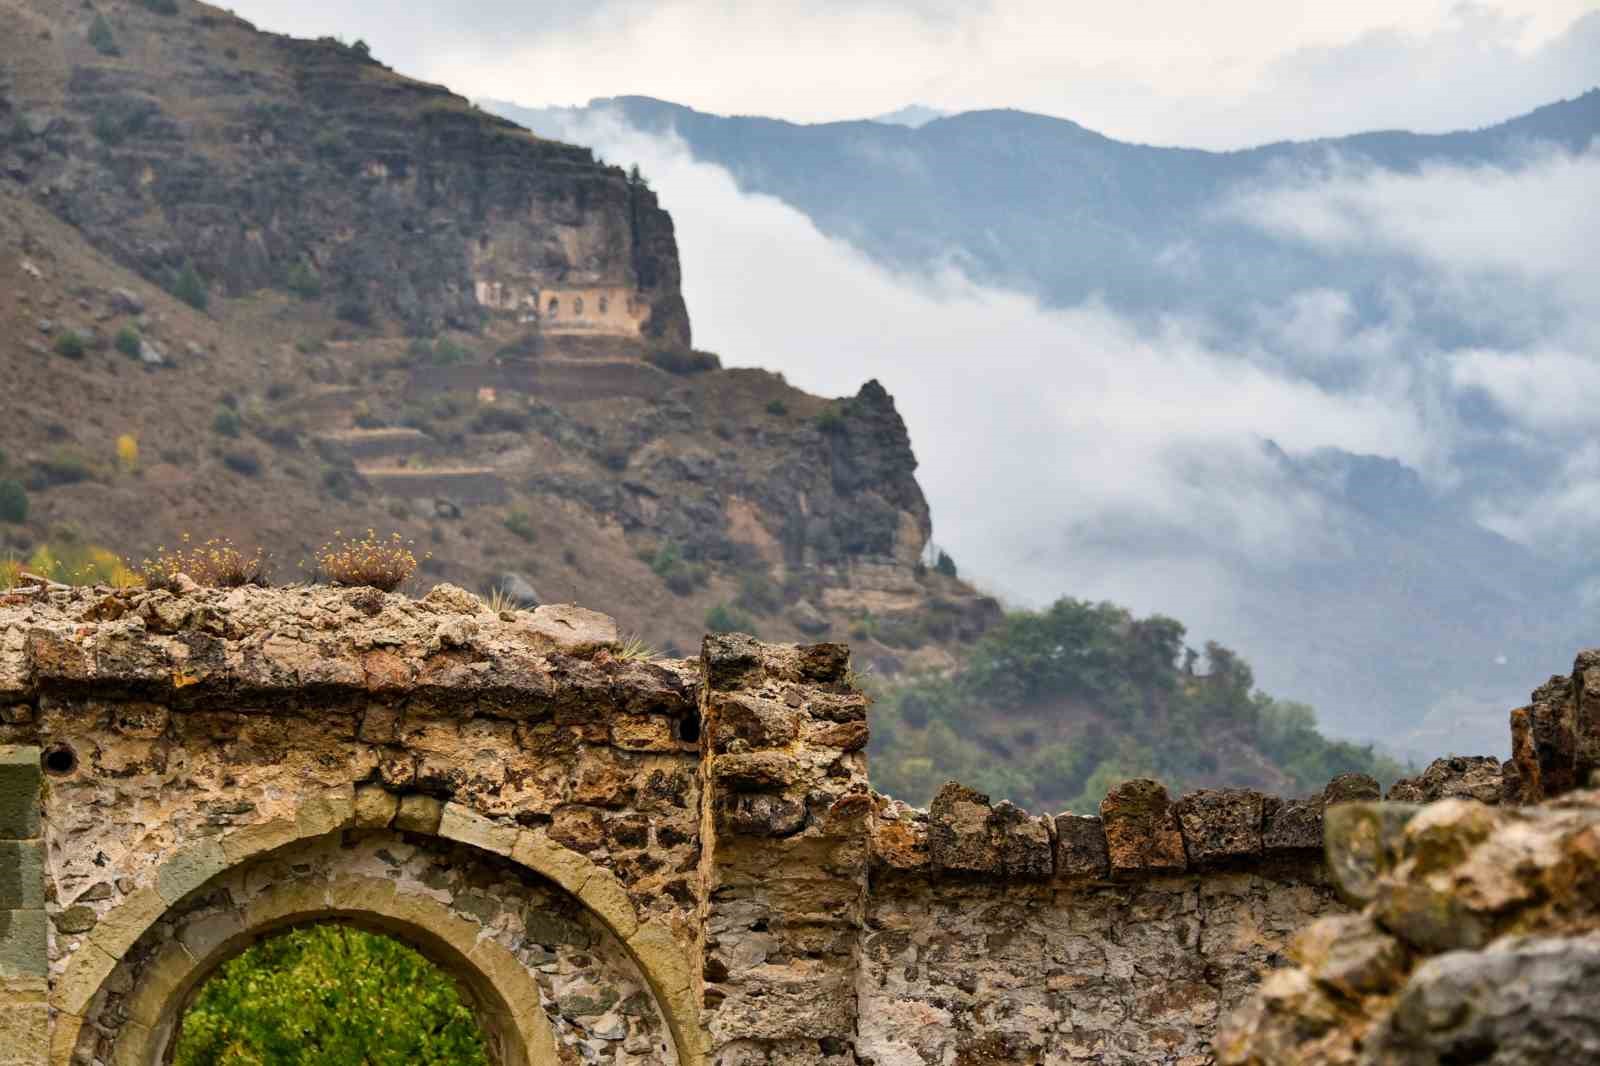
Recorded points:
(1219, 74)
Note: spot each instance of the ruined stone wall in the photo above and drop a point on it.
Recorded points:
(621, 861)
(994, 936)
(503, 792)
(1474, 935)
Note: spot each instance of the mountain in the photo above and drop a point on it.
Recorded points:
(266, 289)
(1044, 205)
(1411, 620)
(913, 115)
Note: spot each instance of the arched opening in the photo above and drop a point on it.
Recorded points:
(577, 306)
(543, 975)
(555, 307)
(330, 992)
(605, 305)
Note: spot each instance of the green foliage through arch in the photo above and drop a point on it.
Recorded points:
(329, 995)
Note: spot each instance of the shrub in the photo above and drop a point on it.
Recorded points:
(214, 564)
(226, 423)
(724, 618)
(71, 345)
(13, 502)
(518, 522)
(190, 287)
(831, 419)
(75, 563)
(304, 282)
(382, 564)
(945, 565)
(128, 342)
(242, 461)
(777, 407)
(447, 352)
(340, 483)
(354, 310)
(501, 420)
(62, 468)
(758, 594)
(100, 35)
(682, 360)
(161, 7)
(128, 452)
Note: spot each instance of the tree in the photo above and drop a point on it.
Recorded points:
(362, 49)
(100, 35)
(13, 502)
(190, 287)
(636, 177)
(945, 565)
(329, 995)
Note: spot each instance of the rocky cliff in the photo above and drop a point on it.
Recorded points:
(191, 140)
(266, 288)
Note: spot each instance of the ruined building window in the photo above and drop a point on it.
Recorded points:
(577, 307)
(555, 307)
(604, 303)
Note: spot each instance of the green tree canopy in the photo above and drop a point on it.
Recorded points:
(329, 995)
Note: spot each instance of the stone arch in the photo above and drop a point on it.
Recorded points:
(487, 970)
(494, 985)
(554, 309)
(577, 306)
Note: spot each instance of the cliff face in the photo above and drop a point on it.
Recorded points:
(264, 161)
(311, 294)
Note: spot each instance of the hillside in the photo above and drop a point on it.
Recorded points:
(302, 293)
(1051, 708)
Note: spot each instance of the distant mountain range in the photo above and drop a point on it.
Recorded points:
(1042, 204)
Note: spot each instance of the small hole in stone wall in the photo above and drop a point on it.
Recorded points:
(60, 760)
(689, 728)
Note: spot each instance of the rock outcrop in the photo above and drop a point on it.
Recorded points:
(1478, 940)
(274, 162)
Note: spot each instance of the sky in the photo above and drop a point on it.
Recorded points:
(1221, 74)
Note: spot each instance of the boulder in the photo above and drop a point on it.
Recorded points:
(125, 302)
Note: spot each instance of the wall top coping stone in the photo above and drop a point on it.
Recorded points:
(262, 644)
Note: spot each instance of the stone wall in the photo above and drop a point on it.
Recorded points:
(24, 1034)
(1475, 930)
(621, 861)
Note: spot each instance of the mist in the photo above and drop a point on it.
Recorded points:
(1087, 453)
